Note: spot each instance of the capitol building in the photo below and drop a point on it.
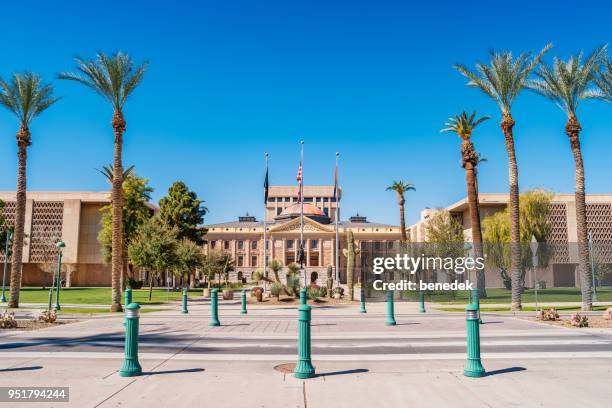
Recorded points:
(243, 238)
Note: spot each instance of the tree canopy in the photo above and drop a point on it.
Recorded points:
(182, 209)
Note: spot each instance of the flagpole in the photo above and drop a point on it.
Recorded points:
(265, 264)
(302, 210)
(336, 196)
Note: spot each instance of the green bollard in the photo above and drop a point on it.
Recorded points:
(184, 302)
(476, 301)
(214, 308)
(128, 296)
(303, 297)
(243, 309)
(304, 368)
(362, 305)
(390, 313)
(131, 367)
(421, 302)
(473, 367)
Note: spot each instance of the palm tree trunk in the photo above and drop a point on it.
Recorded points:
(23, 141)
(572, 128)
(507, 124)
(117, 202)
(402, 201)
(470, 179)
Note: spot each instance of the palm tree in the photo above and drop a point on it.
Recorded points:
(400, 189)
(114, 77)
(275, 266)
(27, 97)
(107, 172)
(566, 83)
(463, 125)
(502, 80)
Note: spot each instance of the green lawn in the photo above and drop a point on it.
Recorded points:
(544, 296)
(101, 296)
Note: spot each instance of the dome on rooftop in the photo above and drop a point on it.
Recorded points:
(310, 210)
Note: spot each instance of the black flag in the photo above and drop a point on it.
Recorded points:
(266, 185)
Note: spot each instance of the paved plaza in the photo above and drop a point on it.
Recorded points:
(360, 362)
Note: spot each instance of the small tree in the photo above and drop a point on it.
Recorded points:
(154, 248)
(182, 209)
(275, 266)
(188, 257)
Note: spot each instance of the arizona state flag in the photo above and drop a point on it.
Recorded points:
(266, 186)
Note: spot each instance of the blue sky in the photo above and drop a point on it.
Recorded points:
(229, 81)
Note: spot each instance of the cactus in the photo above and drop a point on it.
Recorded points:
(330, 280)
(349, 252)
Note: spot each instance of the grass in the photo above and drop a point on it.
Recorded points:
(92, 310)
(101, 296)
(497, 295)
(525, 309)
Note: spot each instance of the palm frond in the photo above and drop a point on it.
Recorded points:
(463, 124)
(114, 76)
(26, 96)
(504, 76)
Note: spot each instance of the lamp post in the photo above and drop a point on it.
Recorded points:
(534, 261)
(9, 234)
(60, 245)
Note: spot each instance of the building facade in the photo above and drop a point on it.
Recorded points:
(243, 238)
(72, 217)
(561, 269)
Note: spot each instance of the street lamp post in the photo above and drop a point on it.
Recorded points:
(5, 271)
(467, 247)
(590, 237)
(60, 245)
(534, 260)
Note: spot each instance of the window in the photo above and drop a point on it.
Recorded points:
(314, 244)
(253, 244)
(289, 244)
(326, 211)
(378, 245)
(240, 260)
(314, 259)
(254, 260)
(226, 245)
(241, 245)
(278, 211)
(213, 244)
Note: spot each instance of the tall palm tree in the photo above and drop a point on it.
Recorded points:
(27, 97)
(114, 77)
(604, 81)
(502, 80)
(401, 188)
(566, 83)
(463, 125)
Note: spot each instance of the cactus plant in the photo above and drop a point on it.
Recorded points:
(330, 280)
(350, 252)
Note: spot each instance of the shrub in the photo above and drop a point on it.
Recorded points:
(323, 291)
(548, 315)
(7, 320)
(579, 320)
(275, 289)
(313, 293)
(293, 284)
(607, 315)
(338, 290)
(47, 316)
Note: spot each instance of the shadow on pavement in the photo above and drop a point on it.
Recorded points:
(505, 370)
(188, 370)
(355, 371)
(8, 370)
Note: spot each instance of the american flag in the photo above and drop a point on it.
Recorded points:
(299, 187)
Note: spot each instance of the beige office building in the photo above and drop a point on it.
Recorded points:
(561, 271)
(73, 217)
